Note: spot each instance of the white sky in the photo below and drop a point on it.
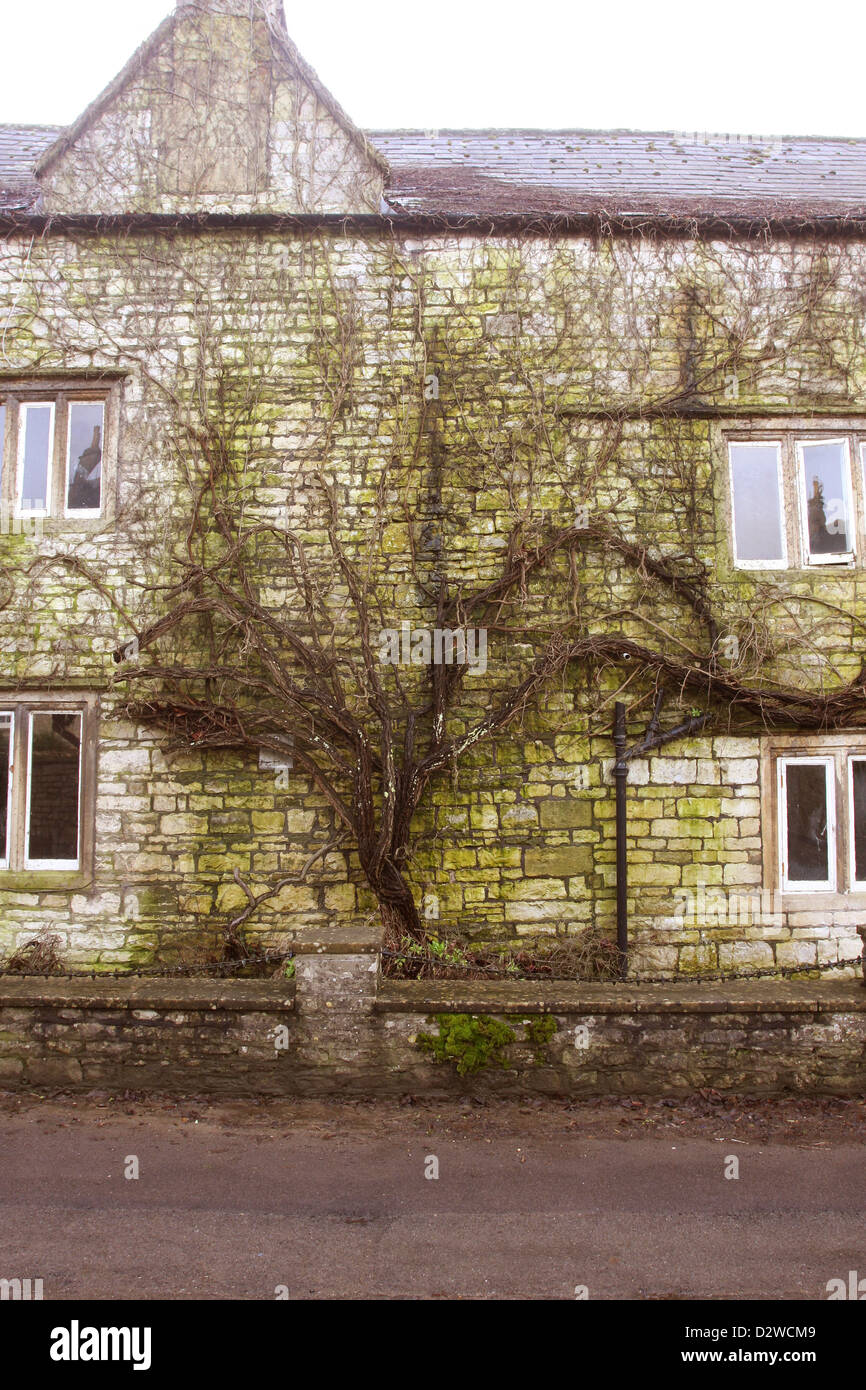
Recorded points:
(745, 66)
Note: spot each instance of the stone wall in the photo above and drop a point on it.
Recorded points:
(517, 848)
(338, 1034)
(216, 112)
(158, 1036)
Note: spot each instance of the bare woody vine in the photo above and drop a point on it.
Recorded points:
(517, 437)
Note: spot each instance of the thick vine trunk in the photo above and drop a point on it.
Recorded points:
(395, 897)
(397, 905)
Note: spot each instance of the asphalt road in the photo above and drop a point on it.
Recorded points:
(334, 1203)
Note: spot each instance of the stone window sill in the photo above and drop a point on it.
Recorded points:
(44, 880)
(823, 902)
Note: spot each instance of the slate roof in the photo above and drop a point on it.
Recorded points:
(20, 147)
(619, 173)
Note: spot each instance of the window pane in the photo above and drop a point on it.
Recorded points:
(825, 480)
(5, 748)
(858, 816)
(37, 424)
(757, 507)
(84, 459)
(806, 807)
(54, 772)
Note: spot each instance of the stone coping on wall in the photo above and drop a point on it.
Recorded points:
(565, 997)
(136, 992)
(442, 996)
(355, 938)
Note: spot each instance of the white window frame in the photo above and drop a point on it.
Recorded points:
(23, 410)
(759, 444)
(20, 499)
(846, 557)
(811, 885)
(82, 513)
(59, 865)
(59, 395)
(5, 857)
(856, 885)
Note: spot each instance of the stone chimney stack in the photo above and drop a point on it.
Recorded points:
(272, 8)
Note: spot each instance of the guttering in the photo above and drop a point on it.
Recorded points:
(654, 737)
(597, 225)
(620, 773)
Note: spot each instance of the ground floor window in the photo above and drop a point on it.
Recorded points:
(47, 749)
(819, 808)
(807, 823)
(857, 820)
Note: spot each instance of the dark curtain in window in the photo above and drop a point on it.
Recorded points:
(5, 735)
(54, 773)
(807, 823)
(858, 785)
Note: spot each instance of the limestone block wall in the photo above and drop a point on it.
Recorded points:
(217, 112)
(516, 849)
(699, 843)
(336, 1034)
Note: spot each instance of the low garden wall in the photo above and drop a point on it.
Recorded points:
(338, 1027)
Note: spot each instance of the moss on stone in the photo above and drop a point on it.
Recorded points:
(471, 1041)
(539, 1033)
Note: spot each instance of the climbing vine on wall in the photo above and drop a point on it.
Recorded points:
(330, 439)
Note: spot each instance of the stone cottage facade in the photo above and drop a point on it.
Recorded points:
(586, 410)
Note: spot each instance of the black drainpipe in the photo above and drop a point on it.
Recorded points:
(620, 772)
(653, 738)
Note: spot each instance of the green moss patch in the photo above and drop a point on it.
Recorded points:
(471, 1041)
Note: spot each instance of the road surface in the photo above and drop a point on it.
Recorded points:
(332, 1200)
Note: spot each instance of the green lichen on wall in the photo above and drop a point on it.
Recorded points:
(310, 355)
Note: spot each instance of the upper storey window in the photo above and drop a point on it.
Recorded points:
(797, 497)
(824, 482)
(757, 504)
(55, 454)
